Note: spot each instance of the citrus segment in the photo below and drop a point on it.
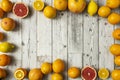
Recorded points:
(19, 74)
(38, 5)
(103, 73)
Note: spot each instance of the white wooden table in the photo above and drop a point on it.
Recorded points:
(78, 39)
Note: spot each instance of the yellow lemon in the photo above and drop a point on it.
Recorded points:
(46, 68)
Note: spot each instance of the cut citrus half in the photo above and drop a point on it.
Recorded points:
(38, 5)
(19, 74)
(103, 73)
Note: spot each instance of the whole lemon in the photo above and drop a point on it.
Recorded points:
(115, 49)
(113, 3)
(35, 74)
(60, 4)
(6, 5)
(46, 68)
(117, 60)
(114, 18)
(6, 47)
(58, 66)
(8, 24)
(104, 11)
(56, 76)
(115, 75)
(73, 72)
(50, 12)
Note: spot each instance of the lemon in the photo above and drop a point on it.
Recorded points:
(6, 47)
(92, 8)
(38, 5)
(103, 73)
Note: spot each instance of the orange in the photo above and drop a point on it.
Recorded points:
(3, 73)
(20, 73)
(60, 4)
(116, 34)
(113, 3)
(115, 75)
(1, 36)
(6, 5)
(50, 12)
(56, 76)
(58, 66)
(117, 60)
(38, 5)
(1, 13)
(35, 74)
(103, 73)
(115, 49)
(74, 72)
(114, 18)
(104, 11)
(8, 24)
(46, 68)
(4, 60)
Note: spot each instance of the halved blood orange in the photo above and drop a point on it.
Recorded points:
(20, 9)
(88, 73)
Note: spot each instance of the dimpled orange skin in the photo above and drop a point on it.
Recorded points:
(73, 72)
(116, 34)
(115, 74)
(60, 4)
(8, 24)
(104, 11)
(117, 60)
(58, 66)
(115, 49)
(1, 13)
(35, 74)
(4, 60)
(113, 3)
(114, 18)
(3, 73)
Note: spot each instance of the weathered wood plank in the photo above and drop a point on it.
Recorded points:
(59, 36)
(75, 41)
(90, 40)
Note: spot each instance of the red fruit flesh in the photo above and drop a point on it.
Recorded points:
(88, 73)
(20, 10)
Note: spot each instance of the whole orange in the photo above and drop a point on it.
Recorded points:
(104, 11)
(115, 75)
(6, 5)
(116, 34)
(113, 3)
(74, 72)
(60, 4)
(117, 60)
(8, 24)
(4, 60)
(58, 66)
(114, 18)
(49, 12)
(1, 36)
(46, 68)
(35, 74)
(1, 13)
(115, 49)
(3, 73)
(56, 76)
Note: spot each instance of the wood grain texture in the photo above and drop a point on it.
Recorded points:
(78, 39)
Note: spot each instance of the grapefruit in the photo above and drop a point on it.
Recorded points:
(20, 10)
(88, 73)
